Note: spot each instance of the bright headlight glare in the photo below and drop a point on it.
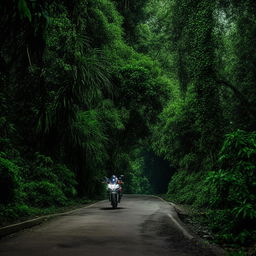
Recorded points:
(113, 186)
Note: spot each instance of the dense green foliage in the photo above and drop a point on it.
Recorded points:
(76, 100)
(207, 128)
(228, 193)
(155, 90)
(234, 187)
(10, 178)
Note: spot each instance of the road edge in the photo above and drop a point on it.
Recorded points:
(10, 229)
(178, 222)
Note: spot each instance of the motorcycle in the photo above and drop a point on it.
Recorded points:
(114, 193)
(114, 189)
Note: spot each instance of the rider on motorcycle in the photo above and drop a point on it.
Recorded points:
(113, 179)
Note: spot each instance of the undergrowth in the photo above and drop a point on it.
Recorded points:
(224, 198)
(35, 187)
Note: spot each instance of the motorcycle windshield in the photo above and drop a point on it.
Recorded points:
(112, 181)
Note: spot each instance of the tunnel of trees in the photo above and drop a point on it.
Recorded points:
(162, 91)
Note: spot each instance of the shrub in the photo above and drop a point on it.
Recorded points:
(44, 194)
(9, 181)
(44, 169)
(235, 181)
(138, 182)
(227, 194)
(235, 188)
(189, 188)
(66, 180)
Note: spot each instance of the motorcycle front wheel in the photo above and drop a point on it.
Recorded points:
(114, 200)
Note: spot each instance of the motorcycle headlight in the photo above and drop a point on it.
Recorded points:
(113, 187)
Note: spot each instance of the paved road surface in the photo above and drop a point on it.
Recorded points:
(141, 226)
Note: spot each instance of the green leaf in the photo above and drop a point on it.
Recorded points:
(24, 10)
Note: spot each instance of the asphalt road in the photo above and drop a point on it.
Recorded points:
(141, 226)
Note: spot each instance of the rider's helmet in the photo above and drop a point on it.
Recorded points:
(113, 179)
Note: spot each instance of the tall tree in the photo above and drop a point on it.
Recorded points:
(196, 36)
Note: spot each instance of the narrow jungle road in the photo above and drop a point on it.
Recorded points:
(141, 226)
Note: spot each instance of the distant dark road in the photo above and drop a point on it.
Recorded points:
(142, 226)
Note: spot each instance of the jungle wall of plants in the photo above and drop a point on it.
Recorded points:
(152, 89)
(207, 129)
(77, 101)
